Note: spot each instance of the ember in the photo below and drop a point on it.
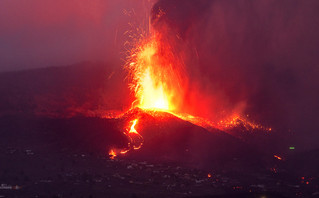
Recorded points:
(112, 154)
(277, 157)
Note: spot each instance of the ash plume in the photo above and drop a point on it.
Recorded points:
(249, 57)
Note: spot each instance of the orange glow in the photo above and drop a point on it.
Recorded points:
(155, 75)
(124, 151)
(209, 175)
(135, 139)
(225, 125)
(236, 120)
(112, 154)
(132, 129)
(276, 156)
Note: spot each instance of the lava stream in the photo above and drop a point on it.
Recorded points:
(135, 141)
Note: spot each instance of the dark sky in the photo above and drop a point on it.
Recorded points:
(37, 33)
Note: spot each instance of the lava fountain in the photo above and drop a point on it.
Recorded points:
(155, 74)
(155, 82)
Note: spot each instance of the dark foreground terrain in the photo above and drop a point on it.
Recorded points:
(46, 157)
(48, 150)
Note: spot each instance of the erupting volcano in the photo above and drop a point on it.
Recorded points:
(159, 83)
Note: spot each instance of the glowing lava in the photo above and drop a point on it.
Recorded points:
(135, 141)
(112, 154)
(155, 74)
(132, 129)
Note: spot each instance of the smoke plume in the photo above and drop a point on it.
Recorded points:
(249, 57)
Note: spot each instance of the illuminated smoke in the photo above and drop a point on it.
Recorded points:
(248, 57)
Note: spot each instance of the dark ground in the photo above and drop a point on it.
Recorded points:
(53, 143)
(49, 157)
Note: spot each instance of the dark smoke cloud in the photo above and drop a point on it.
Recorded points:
(255, 57)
